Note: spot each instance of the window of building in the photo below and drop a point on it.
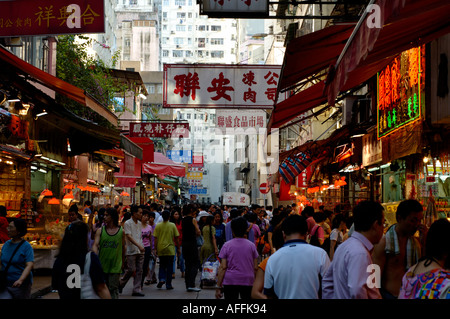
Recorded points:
(189, 15)
(150, 88)
(178, 40)
(180, 27)
(165, 53)
(159, 88)
(189, 28)
(217, 41)
(164, 27)
(129, 69)
(166, 3)
(217, 54)
(177, 53)
(189, 40)
(201, 42)
(180, 2)
(216, 28)
(188, 116)
(201, 28)
(188, 54)
(181, 15)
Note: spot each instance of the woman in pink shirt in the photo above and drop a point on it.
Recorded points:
(238, 264)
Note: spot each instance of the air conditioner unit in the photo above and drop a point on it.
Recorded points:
(350, 109)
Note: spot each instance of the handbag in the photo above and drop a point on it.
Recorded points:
(87, 289)
(4, 272)
(200, 241)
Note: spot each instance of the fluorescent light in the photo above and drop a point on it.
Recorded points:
(42, 171)
(14, 100)
(373, 169)
(33, 167)
(41, 114)
(385, 165)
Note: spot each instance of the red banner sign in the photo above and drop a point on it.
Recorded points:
(39, 17)
(159, 129)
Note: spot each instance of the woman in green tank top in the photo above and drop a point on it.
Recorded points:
(109, 245)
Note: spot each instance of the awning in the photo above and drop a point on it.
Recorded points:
(297, 104)
(311, 53)
(163, 166)
(405, 24)
(129, 173)
(57, 85)
(129, 146)
(148, 148)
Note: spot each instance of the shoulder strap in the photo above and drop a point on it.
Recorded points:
(15, 250)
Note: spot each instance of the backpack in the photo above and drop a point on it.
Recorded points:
(314, 237)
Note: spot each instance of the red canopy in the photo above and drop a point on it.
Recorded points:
(313, 52)
(405, 24)
(163, 166)
(297, 104)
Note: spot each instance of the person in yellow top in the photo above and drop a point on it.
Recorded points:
(166, 240)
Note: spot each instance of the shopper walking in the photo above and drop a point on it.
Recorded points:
(110, 247)
(17, 259)
(294, 271)
(190, 231)
(347, 276)
(151, 276)
(166, 241)
(135, 251)
(209, 246)
(219, 226)
(178, 262)
(399, 249)
(73, 251)
(436, 258)
(238, 264)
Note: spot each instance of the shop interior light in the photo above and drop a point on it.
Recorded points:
(68, 196)
(33, 167)
(42, 171)
(54, 201)
(42, 113)
(386, 165)
(47, 192)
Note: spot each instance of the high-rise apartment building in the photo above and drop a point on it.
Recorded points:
(188, 37)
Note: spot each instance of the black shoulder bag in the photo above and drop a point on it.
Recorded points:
(4, 272)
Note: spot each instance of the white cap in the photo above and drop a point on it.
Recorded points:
(203, 214)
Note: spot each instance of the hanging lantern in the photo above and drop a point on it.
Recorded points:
(47, 192)
(54, 201)
(124, 194)
(68, 196)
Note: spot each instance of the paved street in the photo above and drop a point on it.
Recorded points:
(152, 292)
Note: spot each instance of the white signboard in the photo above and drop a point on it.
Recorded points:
(235, 8)
(220, 86)
(372, 149)
(235, 199)
(245, 119)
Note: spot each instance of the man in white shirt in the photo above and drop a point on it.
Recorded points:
(154, 208)
(294, 271)
(350, 274)
(135, 251)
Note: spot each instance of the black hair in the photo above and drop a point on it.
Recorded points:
(407, 207)
(73, 208)
(75, 242)
(234, 213)
(294, 224)
(319, 217)
(308, 211)
(114, 215)
(101, 215)
(88, 202)
(165, 215)
(366, 213)
(251, 217)
(239, 226)
(3, 211)
(337, 221)
(438, 241)
(172, 217)
(21, 226)
(134, 209)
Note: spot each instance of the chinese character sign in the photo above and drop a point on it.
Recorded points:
(220, 86)
(159, 129)
(401, 91)
(244, 119)
(40, 17)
